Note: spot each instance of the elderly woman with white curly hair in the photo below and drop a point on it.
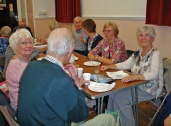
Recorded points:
(22, 45)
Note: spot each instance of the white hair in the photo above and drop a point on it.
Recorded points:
(16, 36)
(146, 28)
(60, 42)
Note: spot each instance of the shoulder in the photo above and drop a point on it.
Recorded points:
(4, 40)
(99, 37)
(118, 40)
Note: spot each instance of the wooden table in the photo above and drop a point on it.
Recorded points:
(120, 86)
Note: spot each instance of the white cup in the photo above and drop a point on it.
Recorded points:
(80, 71)
(72, 59)
(86, 77)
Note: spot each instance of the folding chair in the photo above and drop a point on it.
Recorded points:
(2, 61)
(9, 115)
(167, 83)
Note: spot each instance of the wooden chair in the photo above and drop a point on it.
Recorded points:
(2, 61)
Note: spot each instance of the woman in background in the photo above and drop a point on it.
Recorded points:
(5, 33)
(9, 53)
(111, 49)
(89, 28)
(53, 25)
(22, 46)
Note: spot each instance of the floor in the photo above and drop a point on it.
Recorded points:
(143, 120)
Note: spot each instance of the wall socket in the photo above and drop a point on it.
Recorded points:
(42, 12)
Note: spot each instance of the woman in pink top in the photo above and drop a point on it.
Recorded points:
(21, 43)
(111, 49)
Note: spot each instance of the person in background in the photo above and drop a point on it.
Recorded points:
(23, 24)
(9, 53)
(54, 98)
(5, 33)
(80, 36)
(53, 25)
(145, 64)
(111, 49)
(89, 28)
(22, 46)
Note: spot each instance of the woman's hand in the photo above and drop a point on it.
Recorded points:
(74, 74)
(130, 78)
(104, 68)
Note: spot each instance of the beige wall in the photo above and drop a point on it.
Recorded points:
(127, 31)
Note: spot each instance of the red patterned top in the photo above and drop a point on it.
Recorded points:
(115, 51)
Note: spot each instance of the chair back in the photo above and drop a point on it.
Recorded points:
(167, 74)
(9, 115)
(2, 60)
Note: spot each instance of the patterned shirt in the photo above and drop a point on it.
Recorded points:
(115, 51)
(3, 45)
(54, 60)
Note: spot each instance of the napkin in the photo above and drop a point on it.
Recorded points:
(117, 75)
(101, 78)
(100, 87)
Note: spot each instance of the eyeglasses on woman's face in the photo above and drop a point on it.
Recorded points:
(108, 31)
(26, 43)
(145, 35)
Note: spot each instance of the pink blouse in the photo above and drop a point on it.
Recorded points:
(13, 75)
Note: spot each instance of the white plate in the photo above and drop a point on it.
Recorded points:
(117, 75)
(41, 46)
(76, 58)
(91, 63)
(100, 87)
(40, 58)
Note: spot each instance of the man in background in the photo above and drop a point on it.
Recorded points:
(80, 36)
(23, 24)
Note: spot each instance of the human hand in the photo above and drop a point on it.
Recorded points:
(73, 72)
(82, 38)
(104, 68)
(129, 78)
(167, 121)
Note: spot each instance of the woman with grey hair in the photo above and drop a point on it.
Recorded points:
(145, 64)
(22, 46)
(9, 53)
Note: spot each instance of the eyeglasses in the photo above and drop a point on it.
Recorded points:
(108, 31)
(146, 35)
(26, 43)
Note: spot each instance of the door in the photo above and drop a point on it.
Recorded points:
(8, 15)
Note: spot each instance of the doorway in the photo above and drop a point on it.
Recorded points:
(8, 15)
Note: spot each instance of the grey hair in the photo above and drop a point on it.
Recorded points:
(5, 31)
(78, 17)
(60, 42)
(146, 28)
(16, 36)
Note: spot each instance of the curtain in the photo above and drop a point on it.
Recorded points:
(67, 10)
(158, 12)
